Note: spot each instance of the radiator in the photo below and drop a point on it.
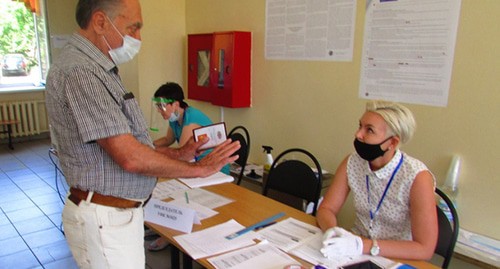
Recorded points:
(26, 112)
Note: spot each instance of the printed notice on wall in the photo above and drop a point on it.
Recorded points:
(310, 30)
(408, 50)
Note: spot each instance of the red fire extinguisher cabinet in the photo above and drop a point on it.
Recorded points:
(219, 68)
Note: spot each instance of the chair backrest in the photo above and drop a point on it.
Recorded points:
(240, 133)
(448, 232)
(295, 178)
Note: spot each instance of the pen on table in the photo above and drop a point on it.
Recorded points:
(255, 226)
(264, 226)
(187, 197)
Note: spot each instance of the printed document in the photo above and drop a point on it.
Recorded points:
(262, 256)
(212, 241)
(289, 233)
(408, 50)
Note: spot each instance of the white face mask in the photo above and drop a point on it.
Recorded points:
(127, 51)
(174, 116)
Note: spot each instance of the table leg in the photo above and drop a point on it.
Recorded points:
(174, 257)
(187, 261)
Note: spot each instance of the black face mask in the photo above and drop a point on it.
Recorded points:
(369, 152)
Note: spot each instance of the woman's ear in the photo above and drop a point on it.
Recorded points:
(395, 140)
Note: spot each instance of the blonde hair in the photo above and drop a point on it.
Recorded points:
(398, 117)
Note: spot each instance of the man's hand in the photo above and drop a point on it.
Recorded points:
(339, 242)
(190, 150)
(220, 156)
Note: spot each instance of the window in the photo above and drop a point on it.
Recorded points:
(24, 52)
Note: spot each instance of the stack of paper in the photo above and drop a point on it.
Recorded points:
(217, 178)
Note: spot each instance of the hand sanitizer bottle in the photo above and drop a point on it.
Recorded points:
(269, 158)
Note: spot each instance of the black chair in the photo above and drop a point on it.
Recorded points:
(240, 133)
(294, 178)
(448, 232)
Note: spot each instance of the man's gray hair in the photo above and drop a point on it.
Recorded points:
(86, 8)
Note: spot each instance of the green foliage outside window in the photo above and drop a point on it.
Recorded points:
(17, 31)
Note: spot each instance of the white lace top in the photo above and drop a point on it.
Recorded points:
(392, 221)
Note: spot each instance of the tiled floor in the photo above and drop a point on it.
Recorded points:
(30, 209)
(30, 213)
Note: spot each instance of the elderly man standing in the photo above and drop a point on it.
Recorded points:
(105, 150)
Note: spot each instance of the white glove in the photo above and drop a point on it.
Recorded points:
(339, 242)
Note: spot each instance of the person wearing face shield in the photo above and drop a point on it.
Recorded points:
(104, 146)
(393, 193)
(182, 118)
(169, 105)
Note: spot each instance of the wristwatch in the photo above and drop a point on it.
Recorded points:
(375, 250)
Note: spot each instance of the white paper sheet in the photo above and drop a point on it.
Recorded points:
(217, 178)
(164, 189)
(203, 197)
(262, 256)
(202, 212)
(212, 241)
(170, 215)
(289, 233)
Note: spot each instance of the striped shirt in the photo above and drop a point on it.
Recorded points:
(87, 101)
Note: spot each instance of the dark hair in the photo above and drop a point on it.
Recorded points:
(85, 9)
(172, 90)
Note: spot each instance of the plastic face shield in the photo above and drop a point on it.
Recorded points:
(157, 123)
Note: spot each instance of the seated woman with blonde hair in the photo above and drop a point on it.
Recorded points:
(393, 192)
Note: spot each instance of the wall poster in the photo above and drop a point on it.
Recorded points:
(310, 29)
(408, 50)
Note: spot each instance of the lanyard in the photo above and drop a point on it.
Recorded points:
(374, 214)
